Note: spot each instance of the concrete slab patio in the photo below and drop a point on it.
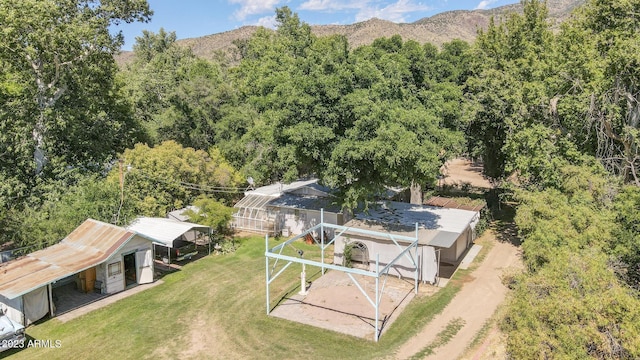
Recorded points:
(335, 303)
(104, 301)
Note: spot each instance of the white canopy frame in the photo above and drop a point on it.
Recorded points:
(409, 250)
(163, 232)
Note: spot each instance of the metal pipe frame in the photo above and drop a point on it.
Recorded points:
(270, 253)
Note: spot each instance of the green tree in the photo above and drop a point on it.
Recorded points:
(574, 308)
(511, 87)
(168, 177)
(360, 120)
(150, 44)
(606, 68)
(390, 145)
(61, 53)
(150, 82)
(196, 106)
(212, 213)
(294, 83)
(61, 211)
(627, 233)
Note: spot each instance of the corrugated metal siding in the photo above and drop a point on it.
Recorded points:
(88, 245)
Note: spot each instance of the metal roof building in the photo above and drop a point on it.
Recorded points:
(163, 231)
(443, 236)
(180, 213)
(437, 226)
(26, 283)
(170, 234)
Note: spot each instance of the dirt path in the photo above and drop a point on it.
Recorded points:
(463, 171)
(474, 304)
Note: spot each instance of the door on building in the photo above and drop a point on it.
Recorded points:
(130, 269)
(144, 266)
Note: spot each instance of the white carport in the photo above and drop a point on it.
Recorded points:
(163, 231)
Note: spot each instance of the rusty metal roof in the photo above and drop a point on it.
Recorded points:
(451, 203)
(88, 245)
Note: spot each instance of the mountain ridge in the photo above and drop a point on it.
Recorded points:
(437, 29)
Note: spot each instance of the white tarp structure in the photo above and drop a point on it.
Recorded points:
(35, 305)
(163, 231)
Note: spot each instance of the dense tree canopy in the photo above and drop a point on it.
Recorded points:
(554, 115)
(57, 58)
(168, 177)
(360, 120)
(61, 113)
(548, 110)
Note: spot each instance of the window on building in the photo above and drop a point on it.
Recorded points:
(115, 269)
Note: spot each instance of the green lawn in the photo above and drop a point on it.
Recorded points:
(215, 308)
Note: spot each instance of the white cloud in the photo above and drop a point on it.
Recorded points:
(484, 4)
(395, 12)
(267, 21)
(253, 7)
(333, 5)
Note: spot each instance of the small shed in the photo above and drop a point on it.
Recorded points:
(443, 236)
(180, 214)
(96, 256)
(169, 233)
(287, 209)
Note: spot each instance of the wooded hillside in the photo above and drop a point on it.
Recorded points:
(437, 30)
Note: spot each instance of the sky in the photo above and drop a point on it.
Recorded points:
(195, 18)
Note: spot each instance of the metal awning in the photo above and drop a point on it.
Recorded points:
(444, 239)
(407, 246)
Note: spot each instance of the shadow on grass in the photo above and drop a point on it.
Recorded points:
(296, 288)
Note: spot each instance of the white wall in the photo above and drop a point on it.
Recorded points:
(387, 251)
(297, 221)
(116, 283)
(452, 254)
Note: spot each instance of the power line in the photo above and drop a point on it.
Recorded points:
(193, 186)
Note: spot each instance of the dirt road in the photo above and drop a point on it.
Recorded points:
(463, 171)
(474, 304)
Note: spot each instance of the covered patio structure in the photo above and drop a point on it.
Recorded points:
(168, 232)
